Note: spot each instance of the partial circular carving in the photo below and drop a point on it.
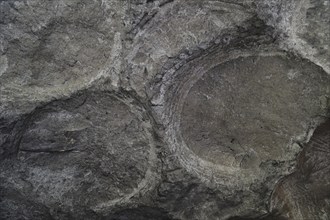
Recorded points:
(90, 151)
(234, 117)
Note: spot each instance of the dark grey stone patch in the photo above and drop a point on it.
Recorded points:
(76, 154)
(247, 110)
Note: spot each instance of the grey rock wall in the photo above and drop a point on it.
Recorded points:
(167, 109)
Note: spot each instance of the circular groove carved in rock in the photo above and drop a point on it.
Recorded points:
(236, 116)
(92, 151)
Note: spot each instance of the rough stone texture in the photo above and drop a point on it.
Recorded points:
(303, 26)
(51, 49)
(164, 110)
(84, 153)
(305, 193)
(241, 109)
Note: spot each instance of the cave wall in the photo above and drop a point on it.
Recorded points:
(164, 109)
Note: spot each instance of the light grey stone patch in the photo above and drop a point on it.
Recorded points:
(113, 66)
(54, 49)
(3, 64)
(304, 26)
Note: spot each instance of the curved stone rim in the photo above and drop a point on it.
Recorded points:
(141, 114)
(207, 171)
(149, 180)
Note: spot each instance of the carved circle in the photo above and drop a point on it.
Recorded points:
(232, 117)
(92, 151)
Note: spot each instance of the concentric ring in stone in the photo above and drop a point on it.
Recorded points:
(236, 116)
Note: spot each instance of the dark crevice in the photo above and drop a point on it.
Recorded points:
(146, 18)
(165, 3)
